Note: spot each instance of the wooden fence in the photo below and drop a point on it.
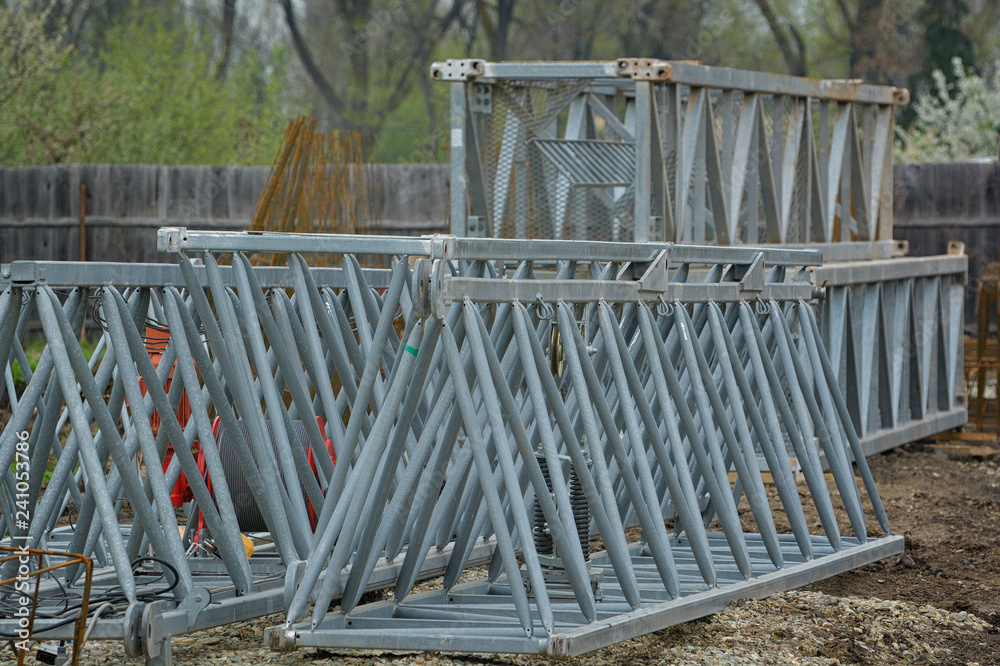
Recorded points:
(126, 204)
(939, 203)
(40, 207)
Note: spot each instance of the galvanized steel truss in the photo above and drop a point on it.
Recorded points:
(109, 415)
(894, 332)
(641, 150)
(454, 393)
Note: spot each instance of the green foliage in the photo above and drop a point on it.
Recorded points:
(953, 122)
(142, 81)
(942, 24)
(164, 77)
(37, 97)
(152, 97)
(406, 135)
(33, 348)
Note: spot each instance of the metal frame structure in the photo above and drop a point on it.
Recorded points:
(894, 331)
(643, 330)
(481, 618)
(472, 379)
(490, 409)
(205, 588)
(639, 149)
(674, 151)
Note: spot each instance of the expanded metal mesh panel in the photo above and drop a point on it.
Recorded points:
(539, 184)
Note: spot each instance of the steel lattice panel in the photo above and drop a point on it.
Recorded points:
(489, 402)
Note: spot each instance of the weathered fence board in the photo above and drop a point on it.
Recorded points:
(939, 203)
(40, 206)
(126, 204)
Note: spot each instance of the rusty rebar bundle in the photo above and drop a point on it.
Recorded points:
(320, 182)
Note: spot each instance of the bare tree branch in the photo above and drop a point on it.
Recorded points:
(312, 70)
(419, 56)
(848, 19)
(794, 55)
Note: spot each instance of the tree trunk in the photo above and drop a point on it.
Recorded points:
(866, 38)
(228, 25)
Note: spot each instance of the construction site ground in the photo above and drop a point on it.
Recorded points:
(938, 603)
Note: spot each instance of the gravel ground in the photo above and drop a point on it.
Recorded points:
(936, 604)
(790, 628)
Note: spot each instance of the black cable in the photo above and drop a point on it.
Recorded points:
(173, 572)
(118, 600)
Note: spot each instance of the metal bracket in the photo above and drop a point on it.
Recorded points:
(170, 239)
(442, 246)
(293, 576)
(481, 98)
(420, 290)
(644, 69)
(133, 629)
(282, 640)
(752, 276)
(438, 305)
(457, 70)
(477, 226)
(655, 277)
(195, 602)
(153, 630)
(23, 272)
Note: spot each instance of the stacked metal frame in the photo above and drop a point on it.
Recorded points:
(894, 332)
(639, 149)
(557, 392)
(94, 446)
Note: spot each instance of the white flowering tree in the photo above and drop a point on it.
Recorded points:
(953, 122)
(26, 53)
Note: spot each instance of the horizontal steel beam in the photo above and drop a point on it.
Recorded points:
(861, 272)
(178, 239)
(496, 632)
(841, 90)
(883, 440)
(677, 72)
(550, 70)
(856, 250)
(264, 601)
(646, 620)
(482, 290)
(91, 274)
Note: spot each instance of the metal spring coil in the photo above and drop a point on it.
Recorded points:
(581, 513)
(542, 537)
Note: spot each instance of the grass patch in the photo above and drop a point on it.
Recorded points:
(33, 348)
